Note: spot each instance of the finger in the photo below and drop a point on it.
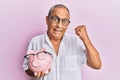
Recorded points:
(42, 74)
(38, 74)
(77, 31)
(49, 69)
(35, 74)
(78, 28)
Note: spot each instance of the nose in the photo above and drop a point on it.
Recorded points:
(35, 61)
(59, 24)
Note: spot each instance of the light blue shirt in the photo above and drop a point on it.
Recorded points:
(67, 64)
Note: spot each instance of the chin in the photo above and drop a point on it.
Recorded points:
(58, 37)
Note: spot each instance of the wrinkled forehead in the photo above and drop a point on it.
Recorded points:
(61, 12)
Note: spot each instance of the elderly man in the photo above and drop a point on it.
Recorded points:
(69, 51)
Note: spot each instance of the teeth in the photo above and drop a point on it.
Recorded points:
(57, 30)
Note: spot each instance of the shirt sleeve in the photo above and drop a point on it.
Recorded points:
(81, 51)
(25, 62)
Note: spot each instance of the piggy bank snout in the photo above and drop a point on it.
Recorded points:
(35, 63)
(38, 64)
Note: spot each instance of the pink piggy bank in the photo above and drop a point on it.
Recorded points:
(39, 60)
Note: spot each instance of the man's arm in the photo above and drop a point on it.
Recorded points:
(93, 58)
(37, 75)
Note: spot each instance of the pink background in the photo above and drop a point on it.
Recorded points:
(20, 20)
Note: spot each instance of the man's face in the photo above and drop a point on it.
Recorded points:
(57, 23)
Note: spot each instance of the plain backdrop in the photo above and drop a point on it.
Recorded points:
(20, 20)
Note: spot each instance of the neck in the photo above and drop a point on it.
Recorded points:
(55, 43)
(54, 40)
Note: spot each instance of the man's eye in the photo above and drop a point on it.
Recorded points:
(55, 19)
(65, 21)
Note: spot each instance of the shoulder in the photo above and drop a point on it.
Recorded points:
(35, 42)
(38, 37)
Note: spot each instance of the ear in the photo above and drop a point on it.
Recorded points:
(42, 49)
(30, 52)
(47, 20)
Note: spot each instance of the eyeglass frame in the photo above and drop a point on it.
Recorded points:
(38, 53)
(59, 19)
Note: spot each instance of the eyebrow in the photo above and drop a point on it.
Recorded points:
(59, 17)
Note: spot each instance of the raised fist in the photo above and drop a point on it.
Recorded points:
(81, 31)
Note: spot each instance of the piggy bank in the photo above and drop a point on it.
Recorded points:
(39, 60)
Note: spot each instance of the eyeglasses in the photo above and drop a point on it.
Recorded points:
(56, 19)
(39, 55)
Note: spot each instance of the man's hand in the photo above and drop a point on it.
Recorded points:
(36, 74)
(40, 74)
(81, 32)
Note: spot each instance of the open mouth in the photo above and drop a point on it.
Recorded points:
(57, 30)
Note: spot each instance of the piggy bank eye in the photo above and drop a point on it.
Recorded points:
(41, 56)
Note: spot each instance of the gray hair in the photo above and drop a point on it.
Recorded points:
(57, 6)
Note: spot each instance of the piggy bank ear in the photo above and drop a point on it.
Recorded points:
(42, 49)
(30, 52)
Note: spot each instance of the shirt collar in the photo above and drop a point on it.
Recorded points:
(48, 40)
